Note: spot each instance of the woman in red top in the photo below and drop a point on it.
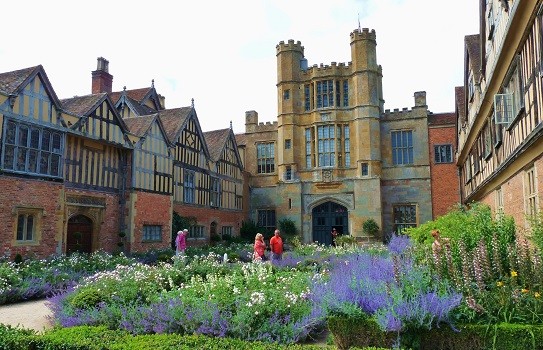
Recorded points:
(259, 248)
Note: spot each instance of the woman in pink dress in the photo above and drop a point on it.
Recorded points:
(259, 248)
(181, 242)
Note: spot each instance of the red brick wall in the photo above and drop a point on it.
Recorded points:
(151, 209)
(206, 216)
(513, 195)
(444, 177)
(29, 193)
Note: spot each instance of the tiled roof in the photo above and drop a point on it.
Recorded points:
(173, 120)
(474, 52)
(241, 139)
(139, 125)
(460, 103)
(140, 109)
(10, 81)
(442, 119)
(215, 141)
(82, 105)
(135, 94)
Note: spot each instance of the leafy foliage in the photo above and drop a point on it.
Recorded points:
(249, 229)
(370, 227)
(287, 227)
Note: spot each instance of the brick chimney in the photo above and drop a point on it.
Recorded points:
(101, 79)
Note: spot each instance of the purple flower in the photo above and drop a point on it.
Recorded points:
(399, 244)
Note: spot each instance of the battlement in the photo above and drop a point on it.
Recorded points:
(396, 111)
(267, 126)
(331, 68)
(289, 46)
(365, 34)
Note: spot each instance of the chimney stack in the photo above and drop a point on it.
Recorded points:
(102, 81)
(420, 99)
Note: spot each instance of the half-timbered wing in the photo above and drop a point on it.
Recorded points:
(226, 190)
(32, 129)
(152, 160)
(191, 155)
(97, 144)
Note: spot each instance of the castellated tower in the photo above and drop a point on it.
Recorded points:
(335, 158)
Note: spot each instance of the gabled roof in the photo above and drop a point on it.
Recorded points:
(135, 94)
(174, 120)
(460, 103)
(140, 125)
(82, 106)
(12, 83)
(138, 108)
(216, 141)
(473, 50)
(138, 95)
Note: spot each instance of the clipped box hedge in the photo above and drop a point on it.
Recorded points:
(101, 338)
(352, 332)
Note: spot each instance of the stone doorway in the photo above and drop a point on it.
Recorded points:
(327, 216)
(79, 237)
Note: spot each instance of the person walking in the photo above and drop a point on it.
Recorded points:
(181, 242)
(259, 248)
(334, 234)
(276, 246)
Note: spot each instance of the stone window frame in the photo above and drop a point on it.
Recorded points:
(151, 233)
(227, 230)
(402, 147)
(196, 232)
(401, 222)
(531, 199)
(438, 159)
(265, 157)
(267, 219)
(37, 213)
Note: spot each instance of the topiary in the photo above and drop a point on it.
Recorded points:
(87, 298)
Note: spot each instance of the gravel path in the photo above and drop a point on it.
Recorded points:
(29, 314)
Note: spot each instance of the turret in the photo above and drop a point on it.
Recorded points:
(363, 49)
(367, 74)
(290, 60)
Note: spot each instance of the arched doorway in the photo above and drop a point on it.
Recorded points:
(326, 216)
(79, 238)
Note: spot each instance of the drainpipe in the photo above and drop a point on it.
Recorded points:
(122, 197)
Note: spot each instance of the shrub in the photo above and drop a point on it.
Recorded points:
(87, 298)
(345, 240)
(370, 227)
(361, 331)
(249, 229)
(14, 338)
(287, 227)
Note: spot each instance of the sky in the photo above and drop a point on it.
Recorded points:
(222, 53)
